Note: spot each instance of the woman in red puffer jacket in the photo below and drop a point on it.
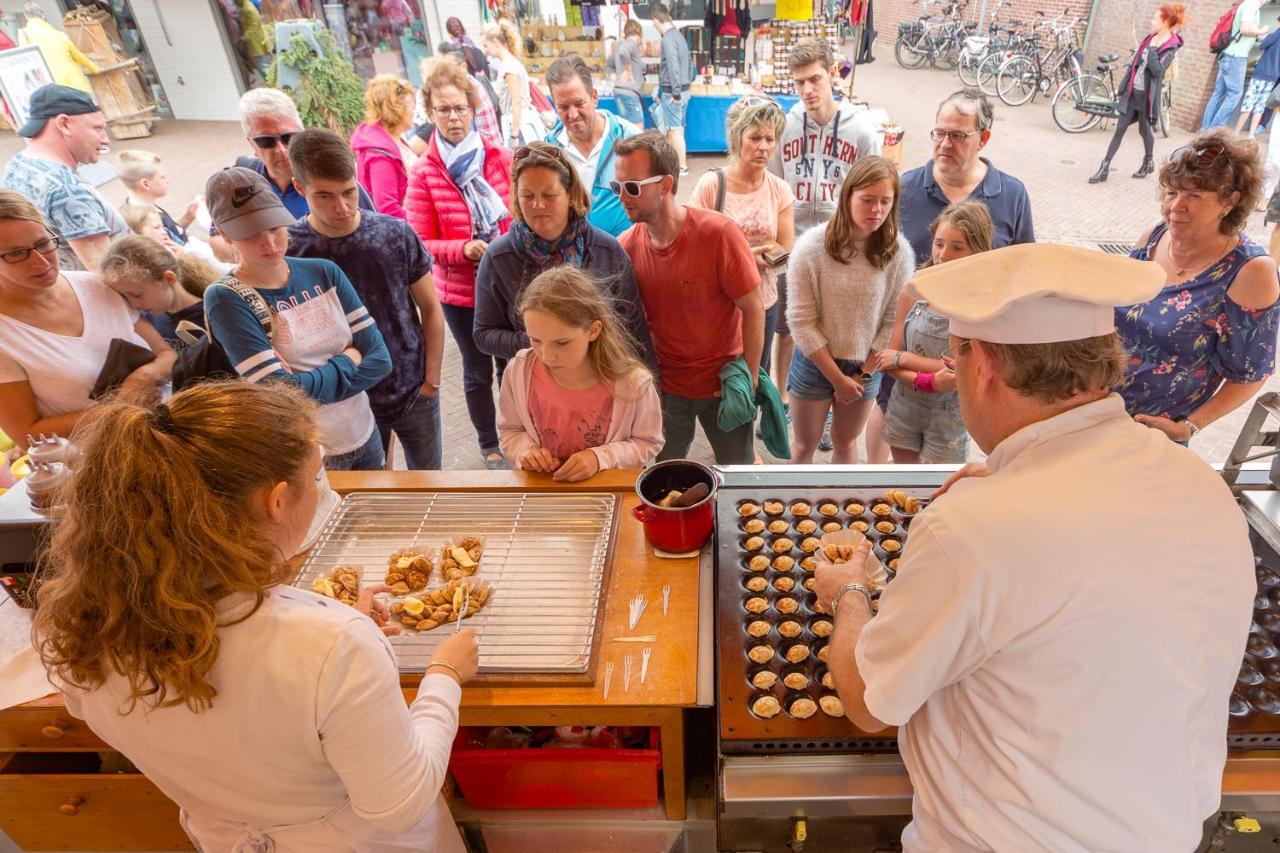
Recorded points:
(459, 192)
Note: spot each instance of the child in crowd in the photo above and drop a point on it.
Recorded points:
(295, 320)
(578, 399)
(167, 288)
(148, 222)
(143, 175)
(923, 423)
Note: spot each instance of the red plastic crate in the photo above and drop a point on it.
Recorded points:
(557, 778)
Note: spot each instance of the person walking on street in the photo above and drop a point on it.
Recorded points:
(1140, 93)
(628, 83)
(1232, 64)
(675, 74)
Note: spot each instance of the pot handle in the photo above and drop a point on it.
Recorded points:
(641, 514)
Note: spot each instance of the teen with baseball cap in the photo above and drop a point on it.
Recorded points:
(320, 336)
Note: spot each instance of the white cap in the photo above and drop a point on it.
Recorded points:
(1036, 293)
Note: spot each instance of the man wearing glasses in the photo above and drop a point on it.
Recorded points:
(66, 128)
(701, 292)
(961, 130)
(1058, 684)
(270, 120)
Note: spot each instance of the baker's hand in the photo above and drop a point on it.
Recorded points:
(375, 609)
(462, 651)
(973, 469)
(539, 459)
(829, 578)
(848, 390)
(579, 466)
(1176, 430)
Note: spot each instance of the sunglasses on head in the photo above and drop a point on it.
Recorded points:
(1201, 157)
(267, 141)
(632, 188)
(544, 149)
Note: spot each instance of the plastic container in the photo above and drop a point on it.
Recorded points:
(557, 778)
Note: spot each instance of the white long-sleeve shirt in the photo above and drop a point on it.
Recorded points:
(308, 742)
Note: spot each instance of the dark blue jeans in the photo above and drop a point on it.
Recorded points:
(419, 432)
(367, 457)
(477, 375)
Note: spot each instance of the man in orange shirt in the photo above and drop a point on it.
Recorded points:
(700, 288)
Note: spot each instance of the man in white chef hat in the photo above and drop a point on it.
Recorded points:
(1062, 637)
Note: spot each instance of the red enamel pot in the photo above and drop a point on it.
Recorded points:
(676, 529)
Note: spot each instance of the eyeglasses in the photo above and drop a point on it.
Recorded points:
(1201, 157)
(452, 111)
(48, 246)
(950, 354)
(267, 141)
(632, 188)
(956, 136)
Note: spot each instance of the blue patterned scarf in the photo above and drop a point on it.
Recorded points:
(570, 248)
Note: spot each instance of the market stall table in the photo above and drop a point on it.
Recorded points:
(704, 119)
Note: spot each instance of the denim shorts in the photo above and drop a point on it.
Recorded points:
(806, 381)
(668, 113)
(927, 424)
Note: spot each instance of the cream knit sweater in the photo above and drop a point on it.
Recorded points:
(848, 308)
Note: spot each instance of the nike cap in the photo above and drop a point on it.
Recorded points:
(242, 203)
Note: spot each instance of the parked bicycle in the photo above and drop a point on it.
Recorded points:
(935, 39)
(1085, 101)
(1021, 77)
(1016, 43)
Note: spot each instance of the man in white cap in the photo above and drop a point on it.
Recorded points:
(1063, 634)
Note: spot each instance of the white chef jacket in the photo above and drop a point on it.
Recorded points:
(1061, 641)
(308, 746)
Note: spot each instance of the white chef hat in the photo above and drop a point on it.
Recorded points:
(1036, 293)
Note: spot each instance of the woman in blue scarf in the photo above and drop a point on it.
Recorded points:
(549, 228)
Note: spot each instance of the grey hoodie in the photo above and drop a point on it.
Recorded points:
(676, 71)
(813, 160)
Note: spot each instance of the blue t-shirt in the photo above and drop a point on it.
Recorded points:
(1005, 196)
(73, 208)
(383, 258)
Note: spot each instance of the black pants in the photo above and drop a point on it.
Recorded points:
(1127, 117)
(477, 375)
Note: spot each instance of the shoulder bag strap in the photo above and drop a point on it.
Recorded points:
(721, 188)
(255, 300)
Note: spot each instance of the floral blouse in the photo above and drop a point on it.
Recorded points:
(1191, 338)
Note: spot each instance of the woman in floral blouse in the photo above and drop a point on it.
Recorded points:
(1204, 346)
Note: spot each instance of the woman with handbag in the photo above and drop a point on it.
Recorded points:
(1139, 96)
(58, 331)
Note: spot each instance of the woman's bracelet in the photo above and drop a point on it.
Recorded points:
(924, 383)
(448, 666)
(897, 359)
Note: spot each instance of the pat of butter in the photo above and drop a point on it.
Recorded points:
(464, 559)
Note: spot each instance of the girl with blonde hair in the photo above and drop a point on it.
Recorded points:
(578, 400)
(182, 646)
(923, 423)
(167, 288)
(520, 120)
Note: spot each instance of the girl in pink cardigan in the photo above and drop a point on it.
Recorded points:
(578, 399)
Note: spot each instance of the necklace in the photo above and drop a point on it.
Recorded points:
(1181, 271)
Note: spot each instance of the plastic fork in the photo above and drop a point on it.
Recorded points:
(644, 663)
(466, 604)
(608, 677)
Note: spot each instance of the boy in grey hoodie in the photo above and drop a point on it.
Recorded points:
(822, 137)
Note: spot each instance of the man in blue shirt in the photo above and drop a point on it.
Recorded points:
(956, 173)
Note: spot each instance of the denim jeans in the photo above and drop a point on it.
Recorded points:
(1227, 90)
(366, 457)
(629, 107)
(477, 375)
(736, 447)
(419, 432)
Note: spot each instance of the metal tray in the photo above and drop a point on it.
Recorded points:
(548, 557)
(741, 731)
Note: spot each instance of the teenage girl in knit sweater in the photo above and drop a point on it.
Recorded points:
(844, 282)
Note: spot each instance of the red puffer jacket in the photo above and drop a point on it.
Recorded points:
(441, 219)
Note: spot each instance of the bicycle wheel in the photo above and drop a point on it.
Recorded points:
(1017, 81)
(967, 68)
(946, 54)
(988, 69)
(911, 51)
(1166, 107)
(1072, 96)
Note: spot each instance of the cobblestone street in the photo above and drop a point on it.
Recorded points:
(1026, 143)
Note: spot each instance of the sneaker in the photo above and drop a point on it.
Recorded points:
(824, 443)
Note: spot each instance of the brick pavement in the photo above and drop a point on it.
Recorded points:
(1026, 143)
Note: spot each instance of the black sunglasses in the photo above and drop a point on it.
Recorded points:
(266, 141)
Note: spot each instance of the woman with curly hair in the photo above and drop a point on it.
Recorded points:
(1204, 346)
(271, 715)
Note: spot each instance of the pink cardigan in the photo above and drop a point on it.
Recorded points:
(635, 430)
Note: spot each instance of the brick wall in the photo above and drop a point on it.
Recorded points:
(1113, 32)
(889, 13)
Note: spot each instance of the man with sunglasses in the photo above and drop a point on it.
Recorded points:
(957, 172)
(701, 292)
(66, 128)
(1058, 684)
(270, 120)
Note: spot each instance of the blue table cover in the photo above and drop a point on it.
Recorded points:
(704, 119)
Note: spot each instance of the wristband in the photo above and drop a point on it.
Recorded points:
(897, 359)
(924, 383)
(449, 666)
